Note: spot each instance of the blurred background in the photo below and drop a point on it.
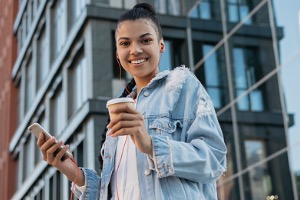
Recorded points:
(58, 68)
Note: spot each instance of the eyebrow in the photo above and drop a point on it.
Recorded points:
(141, 36)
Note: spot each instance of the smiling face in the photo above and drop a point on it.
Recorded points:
(138, 49)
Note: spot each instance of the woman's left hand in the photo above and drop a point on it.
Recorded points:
(128, 121)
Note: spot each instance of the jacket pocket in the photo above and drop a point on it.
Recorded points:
(166, 127)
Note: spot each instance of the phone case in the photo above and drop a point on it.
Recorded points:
(36, 129)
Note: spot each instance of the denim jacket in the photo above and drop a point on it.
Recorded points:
(189, 153)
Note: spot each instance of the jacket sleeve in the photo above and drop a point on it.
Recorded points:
(202, 156)
(92, 185)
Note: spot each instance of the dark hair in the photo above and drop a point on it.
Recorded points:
(125, 93)
(142, 11)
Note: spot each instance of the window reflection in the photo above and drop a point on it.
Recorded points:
(171, 7)
(246, 74)
(237, 10)
(204, 10)
(226, 188)
(259, 177)
(214, 75)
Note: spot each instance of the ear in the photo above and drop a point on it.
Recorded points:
(162, 46)
(117, 55)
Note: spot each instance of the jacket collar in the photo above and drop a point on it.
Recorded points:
(159, 76)
(162, 75)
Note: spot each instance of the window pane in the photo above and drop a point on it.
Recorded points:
(20, 109)
(29, 88)
(168, 7)
(205, 10)
(239, 68)
(211, 67)
(115, 3)
(160, 6)
(232, 1)
(174, 7)
(214, 74)
(26, 164)
(37, 151)
(260, 180)
(215, 95)
(78, 87)
(42, 67)
(81, 91)
(20, 41)
(59, 25)
(244, 11)
(256, 100)
(243, 103)
(129, 3)
(55, 186)
(233, 13)
(194, 12)
(57, 112)
(246, 75)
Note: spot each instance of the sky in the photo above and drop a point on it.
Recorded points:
(288, 16)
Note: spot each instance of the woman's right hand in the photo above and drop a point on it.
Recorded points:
(53, 156)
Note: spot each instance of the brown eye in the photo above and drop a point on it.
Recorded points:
(124, 43)
(146, 41)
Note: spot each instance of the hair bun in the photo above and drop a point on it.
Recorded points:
(145, 6)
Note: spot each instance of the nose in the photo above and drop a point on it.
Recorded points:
(136, 49)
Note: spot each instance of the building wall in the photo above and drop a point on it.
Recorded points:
(8, 96)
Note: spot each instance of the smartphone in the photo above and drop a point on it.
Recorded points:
(36, 129)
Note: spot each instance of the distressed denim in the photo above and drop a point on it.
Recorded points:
(189, 153)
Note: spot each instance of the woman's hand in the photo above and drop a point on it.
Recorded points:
(52, 154)
(129, 121)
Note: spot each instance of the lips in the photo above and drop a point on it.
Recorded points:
(138, 61)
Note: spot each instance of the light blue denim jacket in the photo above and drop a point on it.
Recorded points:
(189, 153)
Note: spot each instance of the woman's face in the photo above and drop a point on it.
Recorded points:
(138, 48)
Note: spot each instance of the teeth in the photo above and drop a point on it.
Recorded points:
(138, 61)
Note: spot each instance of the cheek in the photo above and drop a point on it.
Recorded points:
(121, 55)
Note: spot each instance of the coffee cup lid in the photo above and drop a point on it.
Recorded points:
(119, 100)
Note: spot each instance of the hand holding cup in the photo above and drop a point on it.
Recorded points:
(126, 120)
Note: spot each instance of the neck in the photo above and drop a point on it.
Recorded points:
(145, 80)
(142, 82)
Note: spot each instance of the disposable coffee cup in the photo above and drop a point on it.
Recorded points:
(114, 103)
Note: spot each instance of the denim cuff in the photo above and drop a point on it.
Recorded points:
(90, 190)
(79, 191)
(162, 157)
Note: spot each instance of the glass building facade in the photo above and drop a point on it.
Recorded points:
(66, 71)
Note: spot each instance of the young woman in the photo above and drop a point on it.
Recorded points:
(170, 146)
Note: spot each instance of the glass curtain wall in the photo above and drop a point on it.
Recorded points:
(241, 72)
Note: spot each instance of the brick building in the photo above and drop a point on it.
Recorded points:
(8, 97)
